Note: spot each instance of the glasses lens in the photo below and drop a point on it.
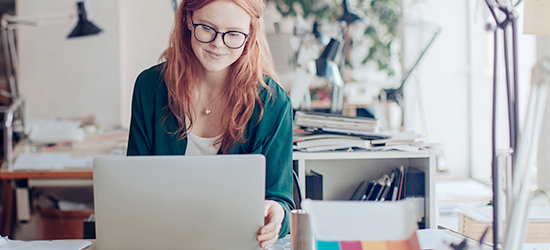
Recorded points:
(204, 33)
(234, 39)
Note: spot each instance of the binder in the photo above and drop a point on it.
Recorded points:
(368, 191)
(400, 194)
(414, 183)
(359, 191)
(314, 186)
(387, 188)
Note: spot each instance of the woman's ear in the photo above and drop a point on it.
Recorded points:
(189, 23)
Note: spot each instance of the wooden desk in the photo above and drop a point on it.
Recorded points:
(11, 188)
(16, 183)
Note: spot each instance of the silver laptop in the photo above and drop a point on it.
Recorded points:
(179, 202)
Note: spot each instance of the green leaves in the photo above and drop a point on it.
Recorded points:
(379, 27)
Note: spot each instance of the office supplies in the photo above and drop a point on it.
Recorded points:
(472, 222)
(343, 171)
(368, 191)
(362, 224)
(414, 183)
(185, 202)
(387, 187)
(6, 243)
(483, 236)
(300, 230)
(314, 185)
(334, 121)
(400, 184)
(359, 191)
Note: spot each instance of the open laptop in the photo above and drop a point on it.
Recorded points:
(179, 202)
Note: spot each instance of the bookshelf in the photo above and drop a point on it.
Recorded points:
(343, 171)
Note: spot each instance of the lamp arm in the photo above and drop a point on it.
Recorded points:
(517, 217)
(10, 57)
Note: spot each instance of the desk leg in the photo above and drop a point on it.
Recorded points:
(302, 176)
(22, 199)
(7, 208)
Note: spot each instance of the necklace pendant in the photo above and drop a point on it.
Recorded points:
(207, 111)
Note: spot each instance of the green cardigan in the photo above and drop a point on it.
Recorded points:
(271, 136)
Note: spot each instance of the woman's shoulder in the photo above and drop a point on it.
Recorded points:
(150, 78)
(274, 93)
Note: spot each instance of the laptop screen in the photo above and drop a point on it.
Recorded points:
(179, 202)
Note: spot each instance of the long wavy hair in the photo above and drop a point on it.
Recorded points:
(182, 67)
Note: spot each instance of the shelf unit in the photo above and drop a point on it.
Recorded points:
(343, 171)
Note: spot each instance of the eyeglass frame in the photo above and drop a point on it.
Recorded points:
(216, 35)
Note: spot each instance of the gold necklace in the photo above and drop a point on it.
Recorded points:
(207, 111)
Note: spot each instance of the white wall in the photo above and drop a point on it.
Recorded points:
(93, 75)
(443, 81)
(455, 80)
(145, 26)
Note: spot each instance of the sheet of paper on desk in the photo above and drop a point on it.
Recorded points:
(55, 130)
(7, 244)
(432, 238)
(51, 161)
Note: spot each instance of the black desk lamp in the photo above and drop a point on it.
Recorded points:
(84, 27)
(348, 16)
(14, 112)
(327, 68)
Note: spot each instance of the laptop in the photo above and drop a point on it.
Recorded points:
(179, 202)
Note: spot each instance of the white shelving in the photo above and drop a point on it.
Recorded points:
(343, 171)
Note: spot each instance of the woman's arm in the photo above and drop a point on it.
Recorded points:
(139, 142)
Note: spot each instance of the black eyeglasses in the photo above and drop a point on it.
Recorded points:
(231, 39)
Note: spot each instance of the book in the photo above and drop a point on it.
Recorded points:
(344, 142)
(400, 139)
(327, 120)
(359, 191)
(314, 185)
(299, 136)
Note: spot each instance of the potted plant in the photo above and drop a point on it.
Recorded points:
(369, 41)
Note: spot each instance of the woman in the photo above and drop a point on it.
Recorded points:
(214, 94)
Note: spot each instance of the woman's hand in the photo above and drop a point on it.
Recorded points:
(274, 215)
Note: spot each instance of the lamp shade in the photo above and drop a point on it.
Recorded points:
(348, 16)
(329, 54)
(84, 27)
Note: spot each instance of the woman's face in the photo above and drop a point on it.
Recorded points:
(221, 16)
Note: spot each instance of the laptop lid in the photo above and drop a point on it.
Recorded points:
(179, 202)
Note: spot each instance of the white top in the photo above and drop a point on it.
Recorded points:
(197, 145)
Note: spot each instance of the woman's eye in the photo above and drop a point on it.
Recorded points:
(207, 28)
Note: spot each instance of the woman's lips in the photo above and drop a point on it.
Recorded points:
(215, 56)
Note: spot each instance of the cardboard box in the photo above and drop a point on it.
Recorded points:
(473, 223)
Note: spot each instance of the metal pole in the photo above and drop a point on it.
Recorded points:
(494, 165)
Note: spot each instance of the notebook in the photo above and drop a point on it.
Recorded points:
(179, 202)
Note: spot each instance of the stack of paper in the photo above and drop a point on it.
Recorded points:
(328, 141)
(6, 243)
(336, 123)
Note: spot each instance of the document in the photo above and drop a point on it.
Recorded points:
(7, 244)
(49, 161)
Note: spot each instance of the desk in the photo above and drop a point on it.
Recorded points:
(16, 183)
(284, 243)
(281, 244)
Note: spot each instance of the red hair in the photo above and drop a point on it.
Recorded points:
(246, 74)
